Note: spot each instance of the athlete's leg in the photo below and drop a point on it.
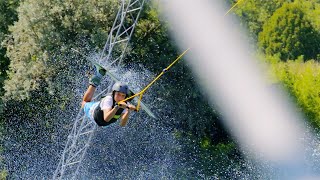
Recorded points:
(88, 108)
(96, 78)
(94, 82)
(88, 95)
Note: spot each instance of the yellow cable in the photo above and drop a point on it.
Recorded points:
(154, 80)
(139, 101)
(234, 6)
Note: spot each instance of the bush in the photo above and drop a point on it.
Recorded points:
(301, 79)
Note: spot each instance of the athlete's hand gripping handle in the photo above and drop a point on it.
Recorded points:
(128, 106)
(122, 105)
(131, 107)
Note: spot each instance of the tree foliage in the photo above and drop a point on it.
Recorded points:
(290, 33)
(254, 13)
(47, 29)
(7, 17)
(301, 79)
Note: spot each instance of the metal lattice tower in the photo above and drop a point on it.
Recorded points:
(83, 129)
(121, 31)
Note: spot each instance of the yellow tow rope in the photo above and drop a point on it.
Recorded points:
(155, 79)
(233, 6)
(164, 70)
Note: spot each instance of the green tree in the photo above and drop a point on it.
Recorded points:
(254, 13)
(151, 44)
(43, 36)
(7, 17)
(312, 10)
(290, 34)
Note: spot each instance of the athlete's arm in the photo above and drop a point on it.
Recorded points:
(125, 116)
(109, 113)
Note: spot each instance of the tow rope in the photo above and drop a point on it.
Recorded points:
(233, 6)
(153, 81)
